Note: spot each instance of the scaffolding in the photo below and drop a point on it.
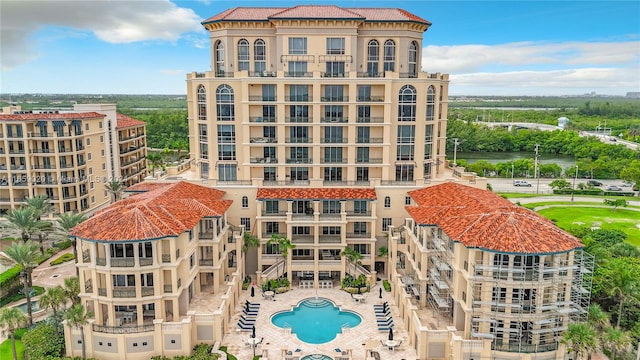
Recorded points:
(524, 302)
(439, 272)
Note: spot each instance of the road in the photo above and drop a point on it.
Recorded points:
(540, 186)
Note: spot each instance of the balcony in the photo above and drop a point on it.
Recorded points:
(299, 161)
(332, 74)
(334, 98)
(261, 119)
(333, 161)
(147, 291)
(263, 140)
(370, 74)
(145, 261)
(370, 120)
(285, 182)
(44, 167)
(298, 119)
(345, 183)
(298, 74)
(262, 98)
(205, 262)
(41, 151)
(122, 262)
(267, 160)
(100, 261)
(298, 140)
(274, 212)
(369, 140)
(371, 98)
(124, 292)
(340, 120)
(369, 161)
(166, 258)
(208, 235)
(262, 73)
(333, 141)
(299, 98)
(123, 329)
(358, 235)
(102, 291)
(224, 74)
(168, 289)
(358, 213)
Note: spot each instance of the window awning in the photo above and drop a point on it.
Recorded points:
(58, 123)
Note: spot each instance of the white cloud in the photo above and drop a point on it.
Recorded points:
(538, 68)
(111, 21)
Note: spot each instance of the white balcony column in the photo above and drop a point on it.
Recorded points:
(107, 255)
(136, 254)
(316, 267)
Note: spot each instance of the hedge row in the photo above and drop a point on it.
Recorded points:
(592, 192)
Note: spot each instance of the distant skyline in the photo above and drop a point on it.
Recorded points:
(488, 47)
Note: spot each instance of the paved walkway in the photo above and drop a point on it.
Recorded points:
(534, 199)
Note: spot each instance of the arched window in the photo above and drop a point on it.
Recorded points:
(260, 55)
(224, 103)
(373, 58)
(202, 103)
(389, 55)
(413, 59)
(407, 104)
(245, 202)
(431, 103)
(219, 58)
(243, 55)
(387, 202)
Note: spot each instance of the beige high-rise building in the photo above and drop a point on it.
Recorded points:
(67, 155)
(317, 124)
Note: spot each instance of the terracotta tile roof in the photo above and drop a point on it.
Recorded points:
(164, 210)
(481, 219)
(245, 13)
(123, 121)
(316, 194)
(315, 12)
(60, 116)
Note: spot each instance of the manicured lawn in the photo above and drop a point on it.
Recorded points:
(7, 353)
(520, 195)
(620, 219)
(568, 203)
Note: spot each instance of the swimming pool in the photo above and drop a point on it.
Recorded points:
(316, 320)
(35, 306)
(316, 357)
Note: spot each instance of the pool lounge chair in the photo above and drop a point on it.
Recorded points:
(385, 328)
(250, 312)
(381, 313)
(384, 321)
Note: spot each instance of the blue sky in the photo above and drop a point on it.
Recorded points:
(488, 47)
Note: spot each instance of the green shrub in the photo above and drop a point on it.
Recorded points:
(386, 285)
(9, 275)
(63, 258)
(43, 342)
(64, 244)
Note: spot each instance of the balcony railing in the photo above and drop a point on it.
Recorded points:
(369, 140)
(299, 161)
(298, 140)
(100, 261)
(358, 213)
(261, 119)
(298, 119)
(124, 292)
(334, 98)
(340, 120)
(168, 289)
(262, 73)
(148, 291)
(262, 98)
(123, 329)
(102, 292)
(166, 258)
(333, 161)
(371, 98)
(368, 74)
(206, 262)
(299, 98)
(298, 74)
(370, 119)
(263, 140)
(369, 161)
(205, 235)
(358, 235)
(274, 212)
(345, 183)
(267, 160)
(333, 141)
(145, 261)
(122, 262)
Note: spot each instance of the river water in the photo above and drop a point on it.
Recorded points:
(563, 161)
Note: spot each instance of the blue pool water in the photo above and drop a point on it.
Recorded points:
(316, 321)
(316, 357)
(35, 306)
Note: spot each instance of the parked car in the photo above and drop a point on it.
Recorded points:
(613, 188)
(626, 184)
(521, 183)
(594, 183)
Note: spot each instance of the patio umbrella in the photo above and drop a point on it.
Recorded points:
(246, 307)
(253, 332)
(384, 307)
(253, 292)
(390, 333)
(380, 293)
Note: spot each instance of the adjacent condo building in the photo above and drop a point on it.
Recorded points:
(68, 155)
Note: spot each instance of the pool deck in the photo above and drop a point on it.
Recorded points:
(355, 341)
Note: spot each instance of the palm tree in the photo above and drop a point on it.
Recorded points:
(580, 338)
(617, 339)
(40, 203)
(598, 318)
(12, 319)
(24, 222)
(53, 298)
(622, 283)
(26, 256)
(115, 188)
(71, 288)
(284, 245)
(78, 316)
(63, 227)
(353, 256)
(250, 241)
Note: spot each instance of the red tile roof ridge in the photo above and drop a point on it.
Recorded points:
(124, 121)
(298, 8)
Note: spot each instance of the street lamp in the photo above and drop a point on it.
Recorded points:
(573, 188)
